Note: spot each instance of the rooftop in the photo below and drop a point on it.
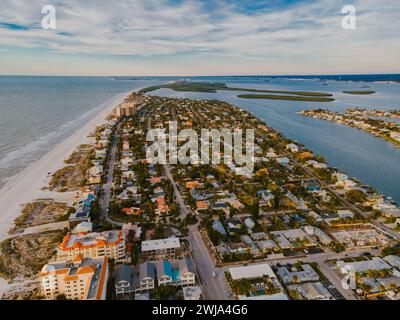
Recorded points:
(252, 271)
(86, 240)
(168, 243)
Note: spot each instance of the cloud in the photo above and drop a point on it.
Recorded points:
(270, 30)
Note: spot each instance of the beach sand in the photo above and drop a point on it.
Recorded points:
(27, 185)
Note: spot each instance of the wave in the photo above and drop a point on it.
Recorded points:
(43, 144)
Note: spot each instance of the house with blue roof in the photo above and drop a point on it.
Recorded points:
(175, 273)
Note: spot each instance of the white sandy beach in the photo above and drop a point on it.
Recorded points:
(26, 186)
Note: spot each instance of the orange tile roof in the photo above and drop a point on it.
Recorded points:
(132, 211)
(201, 205)
(86, 269)
(126, 210)
(191, 184)
(59, 271)
(78, 245)
(71, 278)
(155, 180)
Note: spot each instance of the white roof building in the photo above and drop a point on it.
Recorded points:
(305, 275)
(375, 263)
(343, 214)
(393, 260)
(276, 296)
(161, 244)
(314, 291)
(252, 271)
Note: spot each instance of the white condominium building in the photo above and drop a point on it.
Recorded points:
(109, 244)
(78, 279)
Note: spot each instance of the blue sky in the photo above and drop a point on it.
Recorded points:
(193, 37)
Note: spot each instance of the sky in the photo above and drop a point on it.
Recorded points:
(199, 37)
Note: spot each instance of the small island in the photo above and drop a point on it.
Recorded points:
(213, 87)
(285, 97)
(359, 92)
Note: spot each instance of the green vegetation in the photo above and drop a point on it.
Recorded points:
(73, 176)
(356, 196)
(207, 87)
(395, 250)
(284, 97)
(166, 293)
(41, 212)
(210, 87)
(248, 287)
(359, 92)
(16, 258)
(299, 93)
(235, 257)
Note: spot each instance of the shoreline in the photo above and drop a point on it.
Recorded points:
(27, 185)
(349, 122)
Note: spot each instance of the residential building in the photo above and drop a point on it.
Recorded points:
(297, 276)
(146, 280)
(78, 279)
(126, 110)
(251, 271)
(162, 248)
(176, 273)
(314, 291)
(375, 263)
(93, 245)
(124, 280)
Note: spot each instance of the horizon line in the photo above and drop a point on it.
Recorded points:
(190, 76)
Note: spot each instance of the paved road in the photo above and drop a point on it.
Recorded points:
(107, 187)
(213, 287)
(205, 266)
(178, 197)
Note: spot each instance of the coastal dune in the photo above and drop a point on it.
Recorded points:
(27, 185)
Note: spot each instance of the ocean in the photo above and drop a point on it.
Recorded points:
(36, 113)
